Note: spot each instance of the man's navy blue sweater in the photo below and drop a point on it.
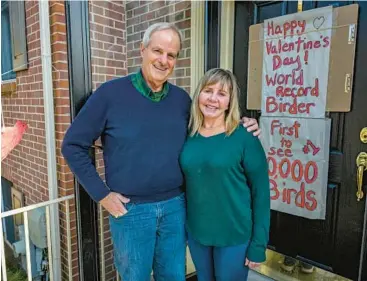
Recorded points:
(141, 139)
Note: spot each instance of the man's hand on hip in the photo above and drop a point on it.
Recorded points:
(113, 203)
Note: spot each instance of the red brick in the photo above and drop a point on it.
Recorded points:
(183, 81)
(184, 24)
(133, 21)
(141, 27)
(129, 14)
(121, 41)
(117, 7)
(135, 37)
(186, 43)
(98, 19)
(56, 37)
(96, 44)
(113, 31)
(133, 53)
(161, 19)
(188, 13)
(55, 18)
(64, 101)
(103, 37)
(62, 110)
(105, 70)
(132, 5)
(113, 63)
(95, 9)
(98, 61)
(59, 47)
(112, 47)
(35, 27)
(119, 56)
(114, 15)
(58, 27)
(61, 93)
(121, 72)
(182, 5)
(61, 65)
(187, 33)
(156, 5)
(147, 17)
(120, 25)
(96, 27)
(183, 62)
(162, 12)
(188, 53)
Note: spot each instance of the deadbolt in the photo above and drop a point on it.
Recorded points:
(363, 135)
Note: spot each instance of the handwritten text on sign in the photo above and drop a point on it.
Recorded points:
(298, 155)
(296, 64)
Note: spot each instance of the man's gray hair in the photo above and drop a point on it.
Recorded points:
(158, 27)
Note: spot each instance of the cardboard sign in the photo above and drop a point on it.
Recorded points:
(298, 155)
(296, 64)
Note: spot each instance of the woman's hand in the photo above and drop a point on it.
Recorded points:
(251, 264)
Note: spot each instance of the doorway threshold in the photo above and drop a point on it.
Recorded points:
(253, 276)
(272, 268)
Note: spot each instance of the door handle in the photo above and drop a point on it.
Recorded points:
(361, 167)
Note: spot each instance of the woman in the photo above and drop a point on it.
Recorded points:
(228, 196)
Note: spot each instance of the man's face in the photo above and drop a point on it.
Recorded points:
(160, 56)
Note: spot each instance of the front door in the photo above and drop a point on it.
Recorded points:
(335, 243)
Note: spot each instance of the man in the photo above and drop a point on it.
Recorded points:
(142, 120)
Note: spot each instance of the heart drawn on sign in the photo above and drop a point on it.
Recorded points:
(318, 22)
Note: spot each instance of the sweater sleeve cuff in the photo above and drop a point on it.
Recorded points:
(256, 253)
(97, 193)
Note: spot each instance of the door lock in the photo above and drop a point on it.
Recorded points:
(363, 135)
(361, 167)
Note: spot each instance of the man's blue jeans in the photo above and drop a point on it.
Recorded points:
(151, 236)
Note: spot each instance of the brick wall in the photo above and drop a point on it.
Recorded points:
(108, 40)
(108, 58)
(141, 14)
(26, 165)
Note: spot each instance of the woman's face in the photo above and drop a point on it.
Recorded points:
(214, 101)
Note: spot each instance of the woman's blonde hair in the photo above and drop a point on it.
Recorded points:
(232, 115)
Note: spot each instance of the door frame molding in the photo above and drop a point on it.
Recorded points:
(80, 88)
(362, 272)
(227, 34)
(197, 43)
(197, 69)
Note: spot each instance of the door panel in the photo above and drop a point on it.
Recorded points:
(334, 243)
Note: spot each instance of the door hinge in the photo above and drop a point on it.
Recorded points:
(352, 34)
(348, 83)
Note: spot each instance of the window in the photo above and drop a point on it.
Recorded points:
(6, 48)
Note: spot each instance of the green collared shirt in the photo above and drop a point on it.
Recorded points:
(141, 85)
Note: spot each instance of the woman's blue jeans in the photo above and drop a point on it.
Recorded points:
(219, 263)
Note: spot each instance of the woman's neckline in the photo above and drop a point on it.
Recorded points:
(210, 136)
